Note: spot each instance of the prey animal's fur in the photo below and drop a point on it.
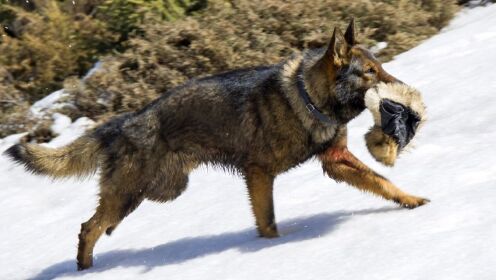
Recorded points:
(252, 121)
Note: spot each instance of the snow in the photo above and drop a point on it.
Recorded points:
(96, 67)
(47, 102)
(329, 230)
(378, 47)
(71, 131)
(60, 123)
(45, 106)
(10, 140)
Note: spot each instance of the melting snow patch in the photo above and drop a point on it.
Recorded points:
(95, 68)
(47, 102)
(60, 123)
(379, 47)
(10, 140)
(71, 132)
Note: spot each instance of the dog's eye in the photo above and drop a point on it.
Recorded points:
(371, 70)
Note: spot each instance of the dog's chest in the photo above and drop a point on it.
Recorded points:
(323, 133)
(296, 148)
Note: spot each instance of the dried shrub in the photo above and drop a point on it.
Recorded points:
(14, 107)
(160, 54)
(236, 34)
(52, 46)
(124, 17)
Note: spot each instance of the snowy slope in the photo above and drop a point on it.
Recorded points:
(330, 230)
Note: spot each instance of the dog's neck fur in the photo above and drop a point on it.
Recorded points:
(319, 95)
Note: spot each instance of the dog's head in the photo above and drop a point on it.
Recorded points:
(350, 70)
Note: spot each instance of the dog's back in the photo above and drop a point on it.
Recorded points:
(228, 120)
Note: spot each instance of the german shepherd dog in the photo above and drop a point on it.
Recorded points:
(258, 122)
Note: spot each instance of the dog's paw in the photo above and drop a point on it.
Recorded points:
(269, 232)
(411, 202)
(82, 265)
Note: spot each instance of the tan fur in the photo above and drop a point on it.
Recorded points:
(320, 132)
(76, 159)
(397, 92)
(340, 164)
(113, 207)
(260, 185)
(381, 146)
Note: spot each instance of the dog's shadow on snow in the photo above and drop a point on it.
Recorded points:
(185, 249)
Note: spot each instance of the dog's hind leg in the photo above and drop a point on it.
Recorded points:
(113, 207)
(260, 189)
(129, 207)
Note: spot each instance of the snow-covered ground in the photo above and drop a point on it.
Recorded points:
(329, 230)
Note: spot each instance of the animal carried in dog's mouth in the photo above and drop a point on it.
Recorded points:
(398, 111)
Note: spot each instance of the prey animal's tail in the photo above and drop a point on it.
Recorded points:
(78, 158)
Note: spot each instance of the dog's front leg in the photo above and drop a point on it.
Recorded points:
(341, 165)
(260, 185)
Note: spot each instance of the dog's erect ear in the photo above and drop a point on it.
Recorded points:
(349, 35)
(338, 48)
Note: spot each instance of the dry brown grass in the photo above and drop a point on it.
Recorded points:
(52, 46)
(238, 34)
(227, 35)
(13, 107)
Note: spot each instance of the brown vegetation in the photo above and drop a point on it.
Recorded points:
(158, 54)
(50, 45)
(13, 107)
(244, 33)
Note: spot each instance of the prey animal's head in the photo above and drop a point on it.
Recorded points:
(349, 70)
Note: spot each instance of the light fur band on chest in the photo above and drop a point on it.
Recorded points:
(289, 75)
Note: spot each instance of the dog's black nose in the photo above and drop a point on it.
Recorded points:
(398, 121)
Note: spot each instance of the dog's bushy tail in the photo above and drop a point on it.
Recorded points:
(79, 158)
